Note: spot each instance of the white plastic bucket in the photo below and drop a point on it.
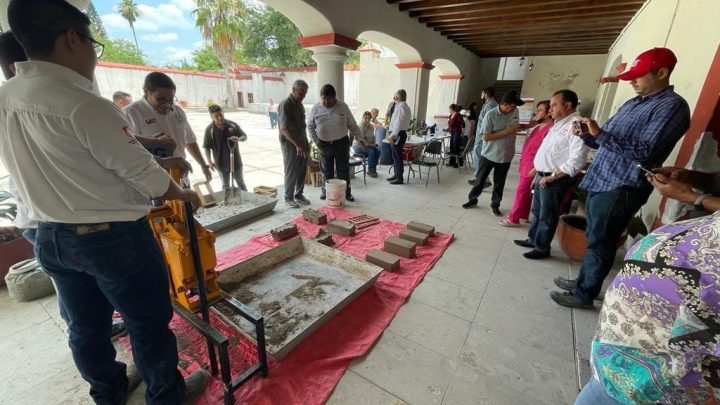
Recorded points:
(335, 192)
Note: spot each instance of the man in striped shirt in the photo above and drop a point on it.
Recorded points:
(645, 131)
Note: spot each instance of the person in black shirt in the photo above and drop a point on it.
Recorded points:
(220, 136)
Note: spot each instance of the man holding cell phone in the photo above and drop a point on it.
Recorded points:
(644, 130)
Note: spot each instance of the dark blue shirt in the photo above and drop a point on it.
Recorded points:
(644, 130)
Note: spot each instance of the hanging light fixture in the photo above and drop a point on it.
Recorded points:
(532, 65)
(522, 57)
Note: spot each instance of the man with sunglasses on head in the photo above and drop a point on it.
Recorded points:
(155, 117)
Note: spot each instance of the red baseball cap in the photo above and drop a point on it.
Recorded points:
(648, 61)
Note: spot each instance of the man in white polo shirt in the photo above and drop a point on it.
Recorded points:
(87, 180)
(156, 115)
(559, 159)
(328, 126)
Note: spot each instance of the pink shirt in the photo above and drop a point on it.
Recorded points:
(531, 146)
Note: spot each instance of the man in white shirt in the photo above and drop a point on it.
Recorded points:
(399, 124)
(559, 159)
(87, 181)
(328, 126)
(155, 115)
(121, 99)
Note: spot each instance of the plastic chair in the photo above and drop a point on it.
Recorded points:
(463, 154)
(434, 150)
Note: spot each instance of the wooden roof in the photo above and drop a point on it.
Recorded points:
(491, 28)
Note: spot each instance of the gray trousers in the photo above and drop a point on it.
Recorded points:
(295, 168)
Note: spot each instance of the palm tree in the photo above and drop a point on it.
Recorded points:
(128, 9)
(221, 22)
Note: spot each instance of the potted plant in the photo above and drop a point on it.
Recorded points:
(13, 247)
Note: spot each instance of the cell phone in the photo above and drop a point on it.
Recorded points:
(580, 127)
(649, 173)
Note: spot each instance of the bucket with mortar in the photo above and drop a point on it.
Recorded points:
(335, 192)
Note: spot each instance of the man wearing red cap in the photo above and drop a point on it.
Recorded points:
(645, 131)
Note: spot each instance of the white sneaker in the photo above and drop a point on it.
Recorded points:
(506, 222)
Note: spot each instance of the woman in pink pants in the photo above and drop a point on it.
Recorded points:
(523, 197)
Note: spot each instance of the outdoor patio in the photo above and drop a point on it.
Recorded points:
(479, 329)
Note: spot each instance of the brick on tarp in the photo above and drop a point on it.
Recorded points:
(324, 238)
(387, 261)
(315, 216)
(414, 236)
(400, 247)
(420, 227)
(283, 232)
(343, 228)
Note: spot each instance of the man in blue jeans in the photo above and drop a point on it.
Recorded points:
(559, 158)
(644, 131)
(86, 179)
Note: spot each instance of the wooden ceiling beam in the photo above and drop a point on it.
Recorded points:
(517, 6)
(584, 40)
(539, 45)
(440, 4)
(516, 23)
(540, 28)
(510, 14)
(545, 52)
(529, 35)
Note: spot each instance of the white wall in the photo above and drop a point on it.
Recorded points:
(379, 79)
(579, 73)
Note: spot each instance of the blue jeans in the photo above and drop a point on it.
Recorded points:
(238, 175)
(372, 152)
(476, 153)
(608, 215)
(397, 150)
(546, 212)
(117, 268)
(594, 394)
(273, 119)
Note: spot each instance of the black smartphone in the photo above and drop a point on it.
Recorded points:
(580, 127)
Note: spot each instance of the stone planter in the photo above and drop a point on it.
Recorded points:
(571, 236)
(13, 252)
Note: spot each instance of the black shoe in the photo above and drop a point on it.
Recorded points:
(471, 203)
(566, 299)
(524, 243)
(487, 184)
(372, 174)
(472, 182)
(565, 283)
(391, 178)
(496, 211)
(350, 197)
(322, 195)
(536, 254)
(118, 328)
(396, 181)
(195, 385)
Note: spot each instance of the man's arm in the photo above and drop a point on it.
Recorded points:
(576, 160)
(194, 150)
(683, 192)
(243, 136)
(311, 126)
(353, 126)
(656, 135)
(284, 115)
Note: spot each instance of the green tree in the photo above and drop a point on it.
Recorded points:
(206, 60)
(122, 51)
(128, 9)
(271, 40)
(96, 25)
(221, 22)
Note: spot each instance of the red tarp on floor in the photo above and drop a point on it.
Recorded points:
(309, 373)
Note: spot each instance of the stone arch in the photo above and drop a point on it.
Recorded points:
(307, 18)
(443, 89)
(405, 53)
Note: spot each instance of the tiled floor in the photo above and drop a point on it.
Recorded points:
(479, 329)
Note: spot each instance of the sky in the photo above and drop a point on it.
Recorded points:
(165, 30)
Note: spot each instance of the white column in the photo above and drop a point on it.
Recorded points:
(415, 79)
(330, 61)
